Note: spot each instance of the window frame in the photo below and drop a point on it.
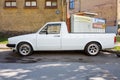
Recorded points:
(31, 6)
(51, 5)
(45, 29)
(11, 5)
(71, 4)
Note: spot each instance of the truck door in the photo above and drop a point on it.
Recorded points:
(49, 37)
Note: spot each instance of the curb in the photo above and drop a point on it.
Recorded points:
(112, 51)
(4, 48)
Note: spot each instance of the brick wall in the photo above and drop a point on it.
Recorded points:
(105, 8)
(25, 20)
(118, 11)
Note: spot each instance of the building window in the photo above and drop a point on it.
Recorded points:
(50, 3)
(72, 4)
(10, 3)
(30, 3)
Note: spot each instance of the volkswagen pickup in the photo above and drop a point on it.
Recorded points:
(54, 36)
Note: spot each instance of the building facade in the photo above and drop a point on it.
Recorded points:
(24, 16)
(118, 11)
(106, 9)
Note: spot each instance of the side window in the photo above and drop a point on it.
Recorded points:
(44, 30)
(51, 29)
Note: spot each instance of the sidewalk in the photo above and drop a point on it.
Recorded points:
(3, 46)
(117, 44)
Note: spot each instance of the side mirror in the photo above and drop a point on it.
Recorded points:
(43, 32)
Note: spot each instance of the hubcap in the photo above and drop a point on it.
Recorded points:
(93, 49)
(24, 49)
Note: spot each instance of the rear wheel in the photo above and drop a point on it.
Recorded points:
(25, 49)
(92, 49)
(118, 54)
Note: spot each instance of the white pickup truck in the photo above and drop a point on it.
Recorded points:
(54, 36)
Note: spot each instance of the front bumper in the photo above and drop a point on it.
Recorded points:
(11, 45)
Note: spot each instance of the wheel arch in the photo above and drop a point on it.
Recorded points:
(24, 42)
(94, 42)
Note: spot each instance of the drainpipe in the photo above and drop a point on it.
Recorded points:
(68, 16)
(79, 5)
(117, 15)
(63, 13)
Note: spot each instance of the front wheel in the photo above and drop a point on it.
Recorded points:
(92, 49)
(24, 49)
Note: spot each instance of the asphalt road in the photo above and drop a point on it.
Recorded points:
(66, 65)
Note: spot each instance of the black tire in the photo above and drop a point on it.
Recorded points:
(24, 49)
(118, 54)
(92, 49)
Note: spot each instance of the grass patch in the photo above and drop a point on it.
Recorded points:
(118, 38)
(3, 40)
(117, 48)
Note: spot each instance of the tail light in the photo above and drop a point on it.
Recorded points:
(115, 39)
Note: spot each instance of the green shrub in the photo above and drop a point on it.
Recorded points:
(3, 40)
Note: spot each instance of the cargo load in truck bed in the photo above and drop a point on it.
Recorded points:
(87, 24)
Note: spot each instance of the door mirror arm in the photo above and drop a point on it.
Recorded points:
(46, 32)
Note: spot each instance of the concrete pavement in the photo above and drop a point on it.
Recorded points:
(70, 65)
(59, 71)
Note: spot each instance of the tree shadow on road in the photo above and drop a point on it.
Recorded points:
(56, 56)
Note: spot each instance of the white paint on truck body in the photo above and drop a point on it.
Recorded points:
(63, 40)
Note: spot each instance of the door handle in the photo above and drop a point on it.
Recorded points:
(56, 35)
